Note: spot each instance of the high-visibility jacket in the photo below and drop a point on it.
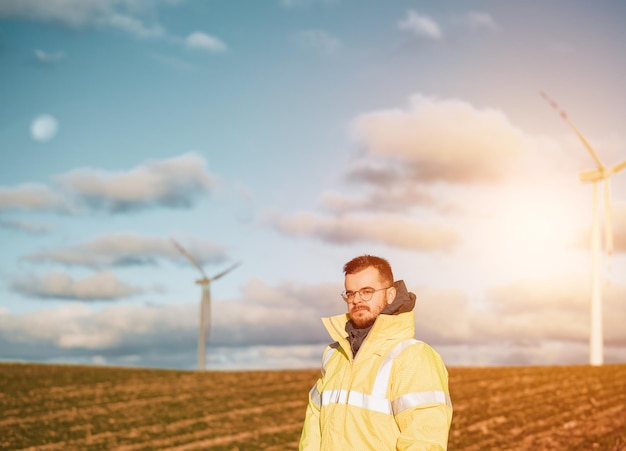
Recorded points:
(392, 396)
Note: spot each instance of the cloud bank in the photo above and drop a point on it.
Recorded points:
(443, 140)
(177, 182)
(128, 249)
(99, 286)
(540, 321)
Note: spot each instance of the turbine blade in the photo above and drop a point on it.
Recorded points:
(223, 273)
(608, 218)
(618, 167)
(188, 256)
(580, 136)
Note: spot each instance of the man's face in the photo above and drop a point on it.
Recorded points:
(363, 313)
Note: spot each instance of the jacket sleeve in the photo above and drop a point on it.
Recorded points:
(310, 440)
(421, 399)
(311, 437)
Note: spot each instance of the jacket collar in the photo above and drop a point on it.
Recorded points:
(385, 327)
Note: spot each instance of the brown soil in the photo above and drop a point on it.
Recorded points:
(58, 407)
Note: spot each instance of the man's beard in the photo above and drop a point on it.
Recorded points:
(362, 322)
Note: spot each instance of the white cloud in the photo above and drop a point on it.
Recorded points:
(319, 40)
(421, 25)
(203, 41)
(56, 285)
(49, 57)
(31, 196)
(120, 14)
(393, 198)
(524, 312)
(44, 128)
(70, 12)
(174, 183)
(444, 140)
(123, 249)
(393, 230)
(132, 25)
(480, 20)
(25, 226)
(530, 322)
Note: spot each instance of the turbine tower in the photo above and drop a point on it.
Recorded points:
(205, 302)
(600, 174)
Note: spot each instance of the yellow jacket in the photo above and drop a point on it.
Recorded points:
(392, 396)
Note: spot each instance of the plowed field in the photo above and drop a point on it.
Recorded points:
(57, 407)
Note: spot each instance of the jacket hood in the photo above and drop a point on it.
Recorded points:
(404, 301)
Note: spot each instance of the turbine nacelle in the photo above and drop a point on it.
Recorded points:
(602, 173)
(594, 175)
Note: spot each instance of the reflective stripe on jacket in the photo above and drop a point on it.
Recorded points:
(392, 395)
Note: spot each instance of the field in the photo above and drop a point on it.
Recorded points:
(57, 407)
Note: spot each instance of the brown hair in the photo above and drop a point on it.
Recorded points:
(365, 261)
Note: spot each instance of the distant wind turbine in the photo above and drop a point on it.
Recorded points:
(205, 302)
(601, 173)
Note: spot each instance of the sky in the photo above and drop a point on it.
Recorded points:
(292, 136)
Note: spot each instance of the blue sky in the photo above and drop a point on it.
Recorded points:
(292, 136)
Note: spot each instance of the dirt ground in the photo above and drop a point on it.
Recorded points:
(59, 407)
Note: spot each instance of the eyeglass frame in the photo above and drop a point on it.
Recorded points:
(350, 298)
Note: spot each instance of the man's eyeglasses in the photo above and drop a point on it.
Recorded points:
(365, 294)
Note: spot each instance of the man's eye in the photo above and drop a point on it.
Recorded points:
(367, 291)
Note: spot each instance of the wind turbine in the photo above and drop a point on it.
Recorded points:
(601, 173)
(205, 302)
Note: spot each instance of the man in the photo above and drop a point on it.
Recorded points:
(380, 389)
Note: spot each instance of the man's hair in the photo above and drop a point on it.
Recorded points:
(362, 262)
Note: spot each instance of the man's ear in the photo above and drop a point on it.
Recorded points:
(391, 295)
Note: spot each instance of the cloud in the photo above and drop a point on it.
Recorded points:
(44, 128)
(320, 41)
(203, 41)
(480, 20)
(279, 323)
(527, 322)
(25, 226)
(174, 183)
(443, 140)
(420, 25)
(118, 14)
(56, 285)
(393, 230)
(49, 57)
(32, 196)
(394, 199)
(555, 309)
(127, 249)
(132, 25)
